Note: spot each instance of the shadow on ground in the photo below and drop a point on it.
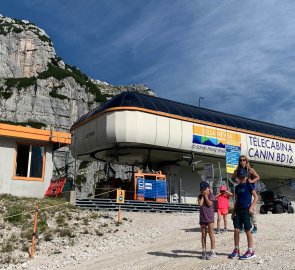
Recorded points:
(181, 254)
(198, 229)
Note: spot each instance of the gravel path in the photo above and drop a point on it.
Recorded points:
(172, 241)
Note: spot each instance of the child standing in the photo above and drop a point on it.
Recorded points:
(222, 207)
(244, 207)
(205, 200)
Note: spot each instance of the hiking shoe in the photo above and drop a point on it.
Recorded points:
(248, 255)
(211, 255)
(234, 254)
(217, 231)
(225, 230)
(254, 230)
(204, 255)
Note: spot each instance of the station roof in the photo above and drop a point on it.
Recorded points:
(55, 137)
(131, 99)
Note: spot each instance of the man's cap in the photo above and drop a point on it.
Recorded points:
(242, 172)
(204, 185)
(223, 188)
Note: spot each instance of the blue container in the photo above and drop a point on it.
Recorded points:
(151, 189)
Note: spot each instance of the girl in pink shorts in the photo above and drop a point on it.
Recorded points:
(222, 206)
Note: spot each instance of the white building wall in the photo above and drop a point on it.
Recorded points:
(24, 188)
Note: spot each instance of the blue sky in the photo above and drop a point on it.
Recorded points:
(238, 55)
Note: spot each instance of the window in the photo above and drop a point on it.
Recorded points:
(29, 161)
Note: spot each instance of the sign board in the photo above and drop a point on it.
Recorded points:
(211, 140)
(120, 196)
(232, 157)
(270, 150)
(209, 172)
(223, 142)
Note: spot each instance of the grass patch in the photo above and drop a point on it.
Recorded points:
(32, 124)
(60, 219)
(15, 214)
(66, 232)
(48, 236)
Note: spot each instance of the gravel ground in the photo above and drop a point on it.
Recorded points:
(171, 241)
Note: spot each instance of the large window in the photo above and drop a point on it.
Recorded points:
(29, 161)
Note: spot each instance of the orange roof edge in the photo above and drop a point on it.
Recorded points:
(35, 134)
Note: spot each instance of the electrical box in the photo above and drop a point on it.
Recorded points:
(150, 187)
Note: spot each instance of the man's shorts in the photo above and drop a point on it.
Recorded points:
(222, 211)
(242, 219)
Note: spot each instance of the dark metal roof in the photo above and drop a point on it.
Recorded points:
(130, 99)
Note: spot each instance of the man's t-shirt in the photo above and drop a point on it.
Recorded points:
(244, 195)
(207, 212)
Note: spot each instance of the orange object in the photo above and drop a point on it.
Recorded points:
(120, 196)
(56, 187)
(35, 134)
(34, 231)
(119, 214)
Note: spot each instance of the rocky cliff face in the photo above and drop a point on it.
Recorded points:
(38, 89)
(26, 50)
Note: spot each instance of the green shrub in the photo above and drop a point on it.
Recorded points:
(42, 225)
(84, 164)
(54, 94)
(25, 248)
(27, 234)
(5, 93)
(45, 39)
(55, 72)
(15, 214)
(98, 233)
(32, 124)
(48, 236)
(7, 247)
(80, 78)
(20, 83)
(66, 232)
(80, 179)
(60, 219)
(85, 221)
(17, 30)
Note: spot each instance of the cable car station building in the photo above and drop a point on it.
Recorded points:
(140, 130)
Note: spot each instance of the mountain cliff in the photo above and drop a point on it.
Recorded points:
(37, 88)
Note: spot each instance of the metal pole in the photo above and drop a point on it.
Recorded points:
(170, 187)
(220, 175)
(179, 191)
(75, 164)
(200, 101)
(66, 164)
